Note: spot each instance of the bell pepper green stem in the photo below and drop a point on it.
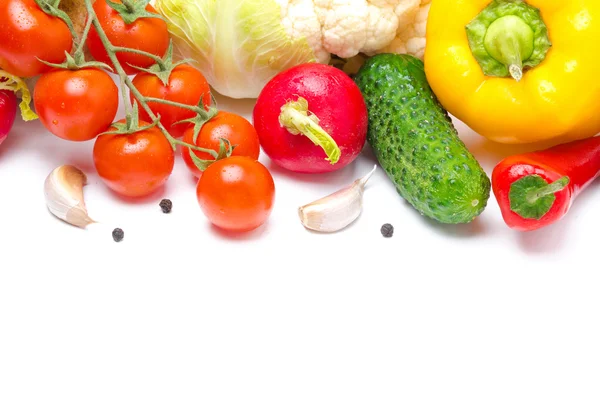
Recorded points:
(552, 188)
(507, 37)
(296, 119)
(510, 40)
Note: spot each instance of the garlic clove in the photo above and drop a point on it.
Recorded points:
(63, 190)
(336, 211)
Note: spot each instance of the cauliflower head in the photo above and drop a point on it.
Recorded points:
(239, 45)
(346, 28)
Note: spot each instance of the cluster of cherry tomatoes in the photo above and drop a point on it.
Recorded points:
(236, 193)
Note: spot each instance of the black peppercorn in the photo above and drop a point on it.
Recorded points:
(118, 234)
(387, 230)
(166, 205)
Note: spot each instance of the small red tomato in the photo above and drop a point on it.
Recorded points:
(76, 105)
(186, 85)
(145, 34)
(236, 194)
(28, 33)
(236, 129)
(134, 165)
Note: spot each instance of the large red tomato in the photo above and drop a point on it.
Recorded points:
(145, 34)
(76, 105)
(28, 33)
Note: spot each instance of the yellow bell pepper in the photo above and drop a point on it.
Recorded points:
(517, 71)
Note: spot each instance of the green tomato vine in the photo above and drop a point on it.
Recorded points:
(131, 10)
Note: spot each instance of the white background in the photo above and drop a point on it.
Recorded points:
(181, 309)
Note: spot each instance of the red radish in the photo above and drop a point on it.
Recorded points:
(8, 112)
(311, 118)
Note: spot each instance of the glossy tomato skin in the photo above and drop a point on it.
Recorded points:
(146, 34)
(332, 96)
(236, 194)
(28, 33)
(235, 128)
(186, 85)
(134, 165)
(76, 105)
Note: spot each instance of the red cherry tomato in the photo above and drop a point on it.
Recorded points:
(76, 105)
(186, 85)
(145, 34)
(28, 33)
(236, 129)
(134, 165)
(236, 194)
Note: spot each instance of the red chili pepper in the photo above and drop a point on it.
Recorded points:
(537, 189)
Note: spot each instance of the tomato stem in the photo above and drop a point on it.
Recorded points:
(155, 58)
(79, 52)
(131, 10)
(51, 8)
(167, 102)
(111, 51)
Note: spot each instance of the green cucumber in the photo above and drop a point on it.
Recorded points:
(416, 143)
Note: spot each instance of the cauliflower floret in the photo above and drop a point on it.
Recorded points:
(411, 39)
(300, 19)
(346, 28)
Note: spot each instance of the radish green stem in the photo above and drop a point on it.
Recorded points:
(296, 119)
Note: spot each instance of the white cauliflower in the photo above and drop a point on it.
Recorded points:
(240, 45)
(348, 27)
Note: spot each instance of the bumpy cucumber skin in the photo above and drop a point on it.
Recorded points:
(416, 143)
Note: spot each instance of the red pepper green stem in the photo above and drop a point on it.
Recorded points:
(535, 190)
(296, 119)
(143, 101)
(532, 197)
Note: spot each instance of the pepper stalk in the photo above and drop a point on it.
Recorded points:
(507, 37)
